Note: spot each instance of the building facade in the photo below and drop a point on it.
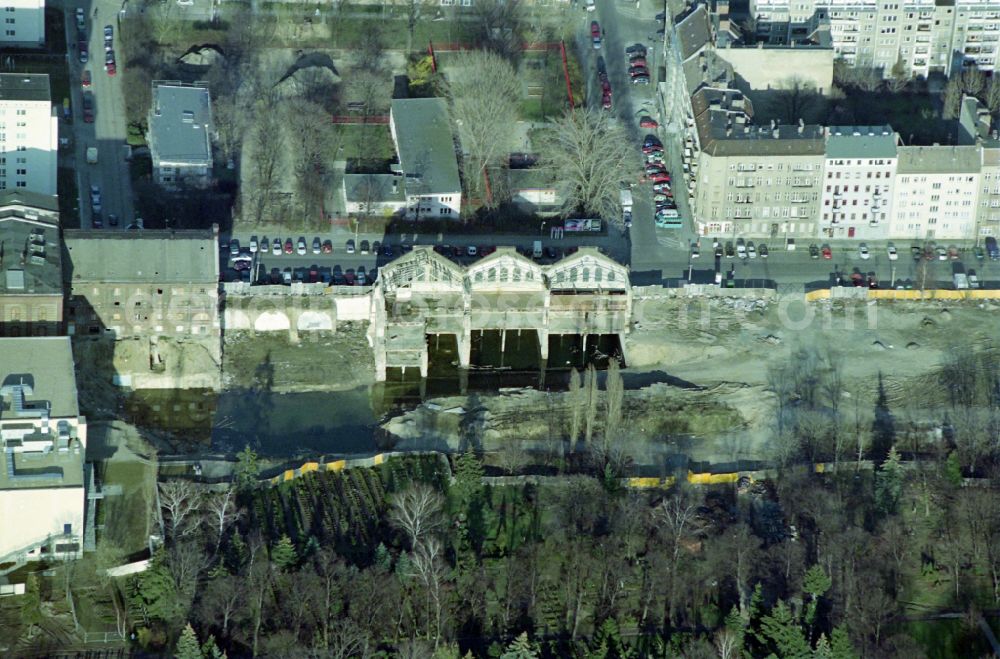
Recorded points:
(23, 24)
(860, 167)
(936, 193)
(180, 134)
(988, 218)
(43, 442)
(124, 284)
(922, 36)
(31, 294)
(29, 134)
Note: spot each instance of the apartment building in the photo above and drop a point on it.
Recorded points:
(23, 24)
(754, 181)
(936, 193)
(421, 132)
(43, 442)
(31, 294)
(124, 284)
(180, 134)
(924, 36)
(859, 169)
(988, 216)
(29, 133)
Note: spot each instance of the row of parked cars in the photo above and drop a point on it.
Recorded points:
(300, 247)
(638, 70)
(656, 172)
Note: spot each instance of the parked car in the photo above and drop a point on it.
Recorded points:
(96, 220)
(113, 219)
(916, 252)
(277, 247)
(591, 5)
(234, 244)
(659, 177)
(606, 100)
(365, 247)
(595, 34)
(84, 54)
(387, 250)
(741, 248)
(300, 246)
(349, 246)
(85, 78)
(327, 247)
(289, 247)
(648, 122)
(979, 253)
(751, 250)
(635, 48)
(317, 246)
(695, 252)
(953, 253)
(111, 68)
(893, 253)
(762, 250)
(730, 250)
(88, 108)
(973, 279)
(640, 80)
(863, 251)
(636, 62)
(80, 18)
(814, 251)
(471, 250)
(253, 244)
(942, 253)
(827, 252)
(991, 248)
(638, 72)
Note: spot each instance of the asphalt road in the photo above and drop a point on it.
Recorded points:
(108, 131)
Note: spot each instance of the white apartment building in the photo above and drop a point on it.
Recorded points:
(180, 134)
(23, 24)
(936, 192)
(43, 442)
(988, 221)
(29, 133)
(924, 35)
(428, 164)
(858, 173)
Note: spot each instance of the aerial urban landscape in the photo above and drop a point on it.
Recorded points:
(500, 328)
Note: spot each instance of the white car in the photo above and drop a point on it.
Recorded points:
(893, 254)
(591, 5)
(301, 246)
(863, 251)
(277, 247)
(253, 244)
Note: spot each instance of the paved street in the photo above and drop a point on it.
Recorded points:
(108, 131)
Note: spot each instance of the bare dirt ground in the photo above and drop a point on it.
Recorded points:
(319, 361)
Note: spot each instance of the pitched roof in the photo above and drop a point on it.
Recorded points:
(938, 160)
(861, 142)
(693, 32)
(45, 362)
(425, 145)
(148, 256)
(180, 124)
(374, 187)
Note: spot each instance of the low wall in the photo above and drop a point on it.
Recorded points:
(695, 290)
(863, 293)
(340, 465)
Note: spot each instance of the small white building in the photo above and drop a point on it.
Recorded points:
(857, 182)
(43, 442)
(180, 134)
(29, 133)
(421, 132)
(23, 24)
(936, 193)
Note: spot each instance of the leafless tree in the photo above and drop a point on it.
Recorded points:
(512, 457)
(222, 510)
(727, 643)
(674, 518)
(899, 77)
(417, 511)
(414, 11)
(993, 94)
(591, 396)
(952, 98)
(615, 387)
(973, 81)
(575, 401)
(268, 141)
(795, 98)
(500, 27)
(220, 600)
(485, 92)
(182, 501)
(592, 159)
(863, 78)
(312, 139)
(430, 569)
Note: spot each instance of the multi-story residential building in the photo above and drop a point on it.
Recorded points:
(23, 24)
(859, 169)
(923, 36)
(29, 133)
(421, 132)
(43, 442)
(150, 283)
(31, 294)
(988, 220)
(936, 192)
(754, 181)
(180, 134)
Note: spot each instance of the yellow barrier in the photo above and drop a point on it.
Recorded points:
(336, 465)
(821, 294)
(915, 295)
(651, 482)
(712, 479)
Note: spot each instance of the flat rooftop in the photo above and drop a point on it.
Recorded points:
(141, 257)
(42, 470)
(861, 142)
(180, 124)
(425, 146)
(46, 363)
(24, 87)
(30, 254)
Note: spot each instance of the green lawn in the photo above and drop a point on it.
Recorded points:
(370, 142)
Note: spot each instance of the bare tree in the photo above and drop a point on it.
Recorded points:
(414, 11)
(268, 141)
(973, 81)
(993, 94)
(674, 517)
(485, 92)
(575, 400)
(952, 98)
(181, 500)
(592, 159)
(312, 139)
(727, 643)
(795, 98)
(591, 396)
(615, 387)
(223, 512)
(430, 569)
(500, 27)
(899, 77)
(220, 600)
(512, 457)
(417, 511)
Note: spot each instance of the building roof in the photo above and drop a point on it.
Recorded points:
(14, 200)
(709, 69)
(693, 32)
(24, 87)
(180, 124)
(425, 146)
(724, 121)
(938, 160)
(46, 363)
(377, 188)
(30, 254)
(148, 256)
(861, 142)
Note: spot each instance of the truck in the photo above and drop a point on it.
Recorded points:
(536, 249)
(91, 155)
(626, 201)
(961, 281)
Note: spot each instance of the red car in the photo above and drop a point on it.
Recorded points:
(111, 68)
(606, 100)
(637, 62)
(660, 177)
(605, 86)
(595, 30)
(648, 122)
(85, 79)
(289, 247)
(827, 252)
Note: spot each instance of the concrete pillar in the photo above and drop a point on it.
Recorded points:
(464, 348)
(543, 343)
(424, 358)
(503, 342)
(621, 343)
(585, 346)
(463, 381)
